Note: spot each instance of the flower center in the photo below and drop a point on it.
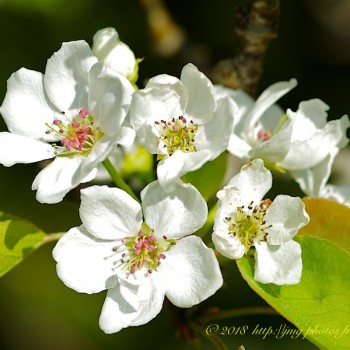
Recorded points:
(264, 135)
(77, 137)
(177, 134)
(144, 250)
(249, 225)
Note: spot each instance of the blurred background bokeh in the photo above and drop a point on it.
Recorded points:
(313, 45)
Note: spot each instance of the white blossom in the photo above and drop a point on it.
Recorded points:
(181, 121)
(139, 257)
(244, 219)
(261, 129)
(75, 113)
(314, 145)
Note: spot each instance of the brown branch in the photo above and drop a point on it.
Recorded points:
(255, 28)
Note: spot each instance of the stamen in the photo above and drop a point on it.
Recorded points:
(78, 136)
(246, 227)
(177, 134)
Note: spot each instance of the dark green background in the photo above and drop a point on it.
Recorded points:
(37, 311)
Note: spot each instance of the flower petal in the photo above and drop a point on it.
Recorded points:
(243, 101)
(310, 116)
(154, 104)
(66, 75)
(109, 213)
(21, 149)
(173, 214)
(172, 83)
(85, 263)
(56, 180)
(26, 108)
(269, 96)
(225, 243)
(122, 308)
(276, 148)
(286, 215)
(180, 163)
(190, 272)
(307, 153)
(313, 180)
(278, 264)
(109, 98)
(101, 150)
(202, 102)
(216, 134)
(250, 184)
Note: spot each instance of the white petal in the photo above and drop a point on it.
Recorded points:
(307, 153)
(269, 96)
(278, 264)
(276, 148)
(66, 75)
(243, 101)
(312, 180)
(126, 136)
(100, 151)
(26, 108)
(286, 215)
(190, 272)
(216, 134)
(174, 214)
(310, 116)
(85, 263)
(122, 308)
(109, 98)
(109, 213)
(202, 102)
(56, 180)
(173, 83)
(154, 104)
(180, 163)
(21, 149)
(250, 184)
(238, 147)
(226, 244)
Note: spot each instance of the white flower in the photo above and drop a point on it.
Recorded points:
(75, 112)
(181, 121)
(244, 219)
(114, 53)
(139, 262)
(314, 145)
(261, 129)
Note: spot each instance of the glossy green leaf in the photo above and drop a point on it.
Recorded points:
(329, 220)
(320, 304)
(18, 238)
(209, 177)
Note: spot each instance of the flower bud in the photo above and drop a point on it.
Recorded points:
(114, 53)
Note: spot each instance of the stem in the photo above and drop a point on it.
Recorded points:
(239, 312)
(117, 179)
(51, 237)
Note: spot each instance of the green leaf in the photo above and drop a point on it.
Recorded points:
(329, 220)
(18, 238)
(320, 304)
(209, 177)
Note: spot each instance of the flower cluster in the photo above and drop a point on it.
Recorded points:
(87, 105)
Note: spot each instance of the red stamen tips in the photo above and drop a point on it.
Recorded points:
(83, 113)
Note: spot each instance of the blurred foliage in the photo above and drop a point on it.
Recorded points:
(38, 311)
